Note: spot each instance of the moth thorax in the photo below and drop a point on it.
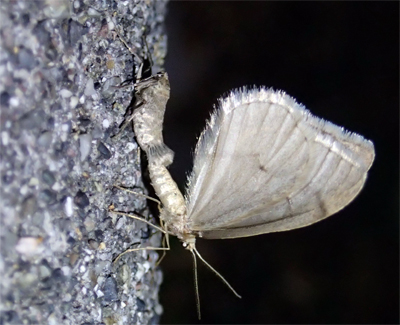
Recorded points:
(177, 224)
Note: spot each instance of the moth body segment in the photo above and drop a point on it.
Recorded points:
(152, 95)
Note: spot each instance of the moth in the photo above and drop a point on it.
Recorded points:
(262, 164)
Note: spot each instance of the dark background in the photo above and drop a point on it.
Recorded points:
(341, 60)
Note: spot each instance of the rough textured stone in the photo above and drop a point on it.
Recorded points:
(62, 66)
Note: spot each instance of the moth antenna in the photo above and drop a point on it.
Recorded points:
(196, 282)
(216, 272)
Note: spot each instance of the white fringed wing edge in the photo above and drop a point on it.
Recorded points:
(224, 204)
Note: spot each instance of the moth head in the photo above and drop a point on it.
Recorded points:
(189, 242)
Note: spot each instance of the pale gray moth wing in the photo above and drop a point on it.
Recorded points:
(265, 164)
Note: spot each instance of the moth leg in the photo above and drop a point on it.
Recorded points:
(147, 51)
(138, 155)
(139, 194)
(140, 219)
(140, 87)
(139, 73)
(160, 228)
(144, 248)
(123, 127)
(163, 254)
(140, 249)
(164, 241)
(128, 47)
(131, 117)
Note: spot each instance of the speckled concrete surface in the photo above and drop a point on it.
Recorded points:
(61, 69)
